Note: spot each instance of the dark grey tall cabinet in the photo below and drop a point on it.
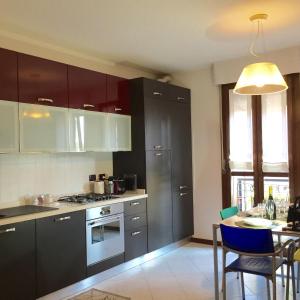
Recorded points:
(161, 156)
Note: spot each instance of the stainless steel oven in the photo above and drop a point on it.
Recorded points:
(104, 232)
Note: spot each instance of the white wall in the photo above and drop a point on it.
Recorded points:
(19, 43)
(206, 148)
(25, 175)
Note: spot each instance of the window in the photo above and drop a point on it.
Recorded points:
(255, 148)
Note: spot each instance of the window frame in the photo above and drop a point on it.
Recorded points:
(293, 93)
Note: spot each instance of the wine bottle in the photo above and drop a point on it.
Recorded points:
(270, 205)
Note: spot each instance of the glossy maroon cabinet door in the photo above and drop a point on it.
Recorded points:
(118, 100)
(42, 81)
(87, 89)
(8, 75)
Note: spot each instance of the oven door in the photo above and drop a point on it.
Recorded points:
(105, 238)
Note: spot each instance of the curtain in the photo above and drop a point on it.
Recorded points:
(241, 140)
(275, 133)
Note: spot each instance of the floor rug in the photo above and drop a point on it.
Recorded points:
(94, 294)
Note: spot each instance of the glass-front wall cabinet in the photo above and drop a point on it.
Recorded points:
(88, 131)
(43, 128)
(9, 126)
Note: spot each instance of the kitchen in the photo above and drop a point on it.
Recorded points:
(115, 150)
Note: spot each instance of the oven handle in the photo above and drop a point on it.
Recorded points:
(103, 221)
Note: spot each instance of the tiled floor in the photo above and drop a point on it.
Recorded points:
(183, 274)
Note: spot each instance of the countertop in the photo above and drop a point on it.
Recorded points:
(63, 208)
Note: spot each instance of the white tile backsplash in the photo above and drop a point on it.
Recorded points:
(24, 175)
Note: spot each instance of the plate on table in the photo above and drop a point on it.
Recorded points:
(258, 222)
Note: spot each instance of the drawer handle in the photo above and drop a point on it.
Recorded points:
(158, 154)
(118, 109)
(157, 93)
(183, 194)
(157, 147)
(135, 218)
(62, 219)
(45, 100)
(135, 203)
(183, 187)
(180, 98)
(135, 233)
(88, 105)
(13, 229)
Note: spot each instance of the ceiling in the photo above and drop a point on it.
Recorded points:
(161, 35)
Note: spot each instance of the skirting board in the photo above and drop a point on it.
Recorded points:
(87, 283)
(203, 241)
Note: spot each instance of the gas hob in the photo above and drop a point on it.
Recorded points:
(87, 198)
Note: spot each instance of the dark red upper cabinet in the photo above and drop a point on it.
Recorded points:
(8, 75)
(87, 89)
(42, 81)
(118, 100)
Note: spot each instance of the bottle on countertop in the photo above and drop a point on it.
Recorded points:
(110, 185)
(271, 206)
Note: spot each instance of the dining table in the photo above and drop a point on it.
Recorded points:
(279, 228)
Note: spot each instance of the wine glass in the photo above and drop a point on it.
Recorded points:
(270, 211)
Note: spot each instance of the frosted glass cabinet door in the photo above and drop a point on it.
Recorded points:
(88, 131)
(119, 132)
(9, 127)
(43, 128)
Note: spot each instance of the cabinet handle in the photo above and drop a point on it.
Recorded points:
(88, 105)
(135, 233)
(118, 109)
(183, 194)
(158, 154)
(13, 229)
(135, 203)
(62, 219)
(135, 218)
(157, 93)
(181, 187)
(45, 100)
(157, 147)
(180, 98)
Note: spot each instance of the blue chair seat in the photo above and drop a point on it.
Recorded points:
(254, 265)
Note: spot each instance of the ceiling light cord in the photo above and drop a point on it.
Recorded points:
(259, 34)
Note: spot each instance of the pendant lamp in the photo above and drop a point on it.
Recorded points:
(262, 77)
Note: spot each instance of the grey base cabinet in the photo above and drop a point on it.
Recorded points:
(158, 178)
(182, 180)
(61, 251)
(17, 261)
(135, 212)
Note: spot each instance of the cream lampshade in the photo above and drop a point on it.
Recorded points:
(260, 78)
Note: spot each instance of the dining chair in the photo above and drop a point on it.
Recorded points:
(257, 255)
(297, 260)
(229, 212)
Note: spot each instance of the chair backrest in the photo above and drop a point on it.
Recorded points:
(229, 212)
(247, 239)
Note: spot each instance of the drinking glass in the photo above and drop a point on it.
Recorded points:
(270, 210)
(261, 209)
